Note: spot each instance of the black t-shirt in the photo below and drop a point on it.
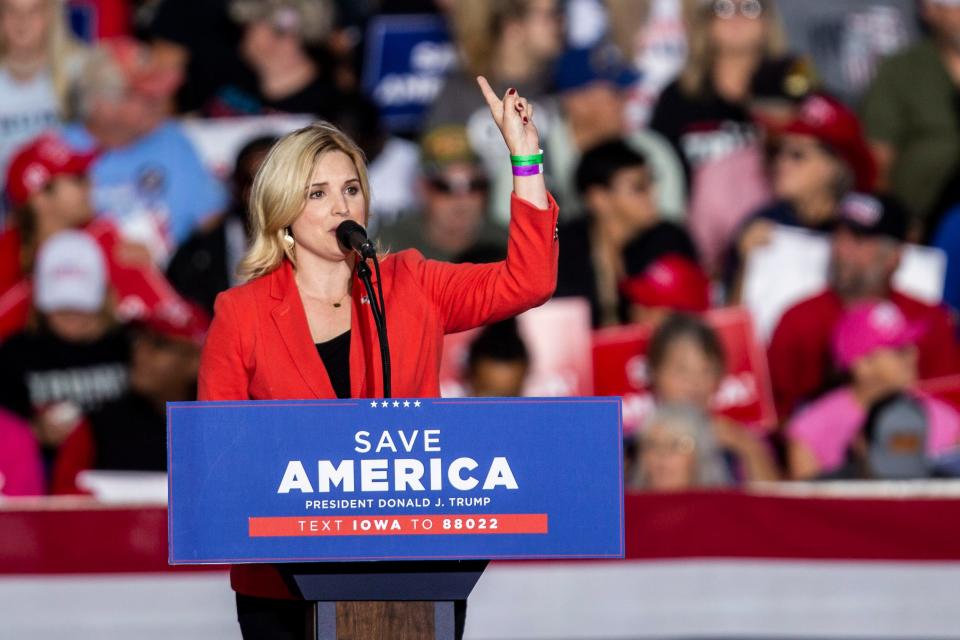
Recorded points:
(706, 127)
(199, 269)
(335, 354)
(38, 369)
(129, 434)
(243, 97)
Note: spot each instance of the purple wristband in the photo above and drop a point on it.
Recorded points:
(528, 170)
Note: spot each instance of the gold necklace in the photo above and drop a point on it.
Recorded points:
(336, 304)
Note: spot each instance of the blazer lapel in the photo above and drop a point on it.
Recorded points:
(291, 322)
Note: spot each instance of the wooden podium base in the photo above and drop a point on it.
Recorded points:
(391, 620)
(385, 600)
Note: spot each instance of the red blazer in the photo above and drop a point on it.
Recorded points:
(259, 346)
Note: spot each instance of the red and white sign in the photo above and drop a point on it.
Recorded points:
(745, 396)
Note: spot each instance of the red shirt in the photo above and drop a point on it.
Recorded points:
(800, 354)
(259, 346)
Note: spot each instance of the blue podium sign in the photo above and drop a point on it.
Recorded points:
(402, 479)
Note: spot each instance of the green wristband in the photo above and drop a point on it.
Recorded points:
(522, 161)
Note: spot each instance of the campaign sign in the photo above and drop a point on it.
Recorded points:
(743, 395)
(404, 479)
(405, 62)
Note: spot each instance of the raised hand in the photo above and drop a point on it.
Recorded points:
(514, 116)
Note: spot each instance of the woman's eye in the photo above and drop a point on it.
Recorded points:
(352, 191)
(316, 194)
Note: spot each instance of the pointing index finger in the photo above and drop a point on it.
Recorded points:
(492, 100)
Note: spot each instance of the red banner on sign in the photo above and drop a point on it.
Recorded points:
(454, 524)
(745, 396)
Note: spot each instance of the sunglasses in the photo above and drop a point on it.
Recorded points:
(473, 185)
(727, 9)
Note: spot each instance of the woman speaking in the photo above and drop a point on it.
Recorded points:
(301, 327)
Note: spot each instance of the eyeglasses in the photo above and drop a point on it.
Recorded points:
(683, 444)
(796, 153)
(727, 9)
(473, 185)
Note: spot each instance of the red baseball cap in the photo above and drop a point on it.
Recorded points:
(178, 320)
(672, 281)
(39, 162)
(835, 125)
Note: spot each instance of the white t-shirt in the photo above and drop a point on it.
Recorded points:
(26, 109)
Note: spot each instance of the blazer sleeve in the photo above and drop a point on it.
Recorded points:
(224, 371)
(470, 295)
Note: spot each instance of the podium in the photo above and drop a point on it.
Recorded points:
(384, 513)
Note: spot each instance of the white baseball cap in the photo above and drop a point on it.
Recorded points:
(70, 274)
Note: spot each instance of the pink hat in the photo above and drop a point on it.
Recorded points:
(869, 326)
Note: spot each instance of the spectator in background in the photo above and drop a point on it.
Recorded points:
(497, 362)
(734, 47)
(130, 433)
(21, 470)
(48, 186)
(392, 162)
(454, 190)
(678, 452)
(875, 344)
(206, 263)
(591, 86)
(617, 188)
(282, 42)
(819, 157)
(671, 283)
(38, 60)
(865, 252)
(75, 359)
(512, 43)
(200, 40)
(652, 35)
(685, 364)
(912, 117)
(148, 177)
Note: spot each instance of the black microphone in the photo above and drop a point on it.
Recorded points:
(353, 237)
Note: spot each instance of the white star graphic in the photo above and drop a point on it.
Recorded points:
(416, 403)
(396, 403)
(384, 403)
(406, 403)
(374, 404)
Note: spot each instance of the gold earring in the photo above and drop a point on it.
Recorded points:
(287, 238)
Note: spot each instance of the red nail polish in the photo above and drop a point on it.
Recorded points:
(512, 91)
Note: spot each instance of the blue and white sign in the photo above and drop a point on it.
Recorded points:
(404, 479)
(406, 60)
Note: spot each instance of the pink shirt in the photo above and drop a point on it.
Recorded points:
(21, 472)
(830, 425)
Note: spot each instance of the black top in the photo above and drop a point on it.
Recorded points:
(39, 369)
(335, 354)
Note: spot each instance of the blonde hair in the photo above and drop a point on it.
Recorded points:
(477, 25)
(64, 52)
(279, 192)
(698, 16)
(627, 18)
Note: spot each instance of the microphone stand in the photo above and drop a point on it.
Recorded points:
(379, 316)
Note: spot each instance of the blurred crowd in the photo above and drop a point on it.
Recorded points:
(683, 139)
